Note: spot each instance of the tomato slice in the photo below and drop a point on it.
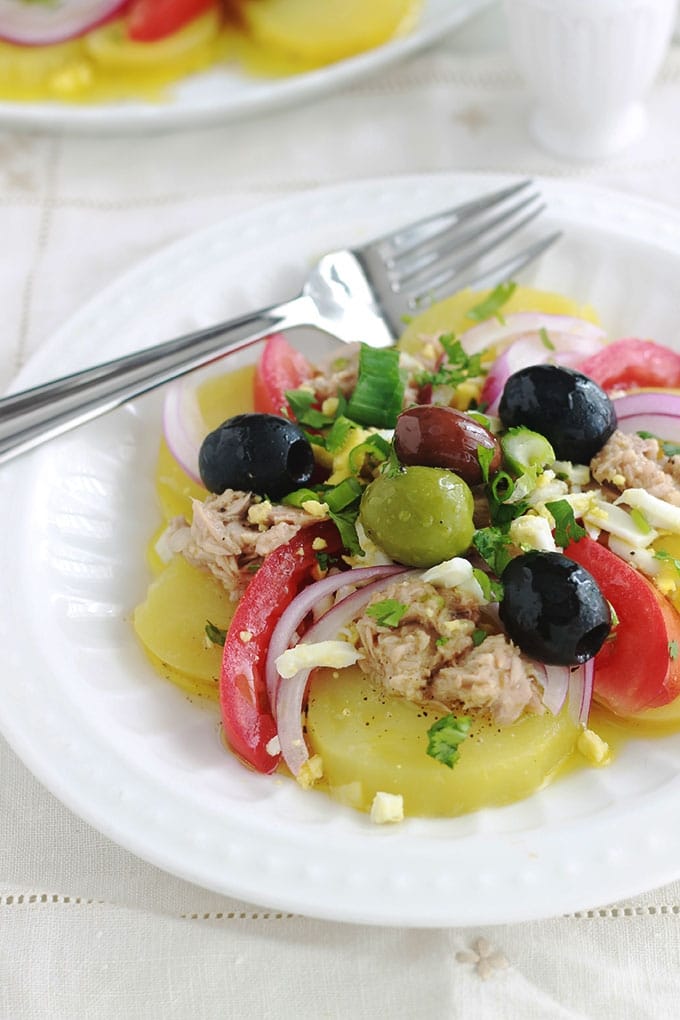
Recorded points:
(246, 713)
(631, 363)
(635, 668)
(150, 20)
(281, 367)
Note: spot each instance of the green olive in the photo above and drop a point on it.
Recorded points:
(420, 516)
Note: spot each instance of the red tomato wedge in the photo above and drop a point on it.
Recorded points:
(246, 713)
(634, 669)
(280, 368)
(633, 363)
(151, 20)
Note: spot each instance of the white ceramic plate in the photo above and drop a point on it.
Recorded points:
(225, 93)
(132, 756)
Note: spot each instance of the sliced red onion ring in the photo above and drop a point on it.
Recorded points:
(493, 331)
(290, 695)
(564, 348)
(581, 691)
(184, 427)
(651, 411)
(33, 24)
(304, 603)
(555, 687)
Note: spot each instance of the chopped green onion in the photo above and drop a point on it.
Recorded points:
(379, 393)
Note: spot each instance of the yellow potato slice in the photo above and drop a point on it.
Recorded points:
(171, 621)
(316, 32)
(370, 742)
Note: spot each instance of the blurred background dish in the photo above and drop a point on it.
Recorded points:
(252, 77)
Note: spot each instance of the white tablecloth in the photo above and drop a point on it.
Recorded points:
(86, 928)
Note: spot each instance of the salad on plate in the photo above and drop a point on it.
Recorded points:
(97, 50)
(431, 578)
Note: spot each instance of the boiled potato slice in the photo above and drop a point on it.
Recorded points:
(171, 622)
(315, 32)
(450, 315)
(370, 742)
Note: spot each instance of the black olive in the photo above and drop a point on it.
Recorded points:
(553, 609)
(573, 413)
(259, 453)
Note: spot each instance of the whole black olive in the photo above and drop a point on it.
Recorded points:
(573, 413)
(553, 609)
(259, 453)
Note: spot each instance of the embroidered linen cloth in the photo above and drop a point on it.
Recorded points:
(86, 928)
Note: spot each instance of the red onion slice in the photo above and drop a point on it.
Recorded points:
(304, 603)
(581, 691)
(650, 411)
(290, 695)
(38, 24)
(184, 427)
(564, 348)
(493, 331)
(555, 688)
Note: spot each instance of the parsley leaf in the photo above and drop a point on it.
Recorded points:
(387, 613)
(456, 368)
(673, 649)
(478, 635)
(301, 405)
(669, 449)
(566, 528)
(493, 545)
(665, 557)
(215, 634)
(492, 304)
(445, 736)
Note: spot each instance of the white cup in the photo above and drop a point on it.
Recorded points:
(589, 65)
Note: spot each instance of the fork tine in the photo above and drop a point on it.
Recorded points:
(471, 255)
(405, 238)
(489, 277)
(447, 243)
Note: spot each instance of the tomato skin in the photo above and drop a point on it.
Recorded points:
(633, 669)
(281, 367)
(632, 363)
(151, 20)
(246, 713)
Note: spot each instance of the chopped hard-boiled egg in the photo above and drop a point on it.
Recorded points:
(334, 654)
(532, 532)
(656, 511)
(387, 807)
(455, 573)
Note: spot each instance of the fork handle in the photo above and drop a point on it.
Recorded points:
(33, 416)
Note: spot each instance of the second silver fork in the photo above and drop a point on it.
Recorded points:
(362, 293)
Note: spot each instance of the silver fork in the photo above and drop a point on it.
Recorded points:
(361, 293)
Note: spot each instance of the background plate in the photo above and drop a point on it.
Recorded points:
(225, 93)
(132, 756)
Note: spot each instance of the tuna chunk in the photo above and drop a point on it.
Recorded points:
(630, 462)
(431, 657)
(230, 535)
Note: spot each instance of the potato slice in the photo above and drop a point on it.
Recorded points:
(316, 33)
(171, 621)
(371, 742)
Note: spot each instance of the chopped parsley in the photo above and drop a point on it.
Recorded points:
(491, 589)
(478, 635)
(669, 449)
(456, 368)
(215, 634)
(301, 404)
(445, 736)
(493, 545)
(673, 649)
(566, 528)
(491, 305)
(388, 613)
